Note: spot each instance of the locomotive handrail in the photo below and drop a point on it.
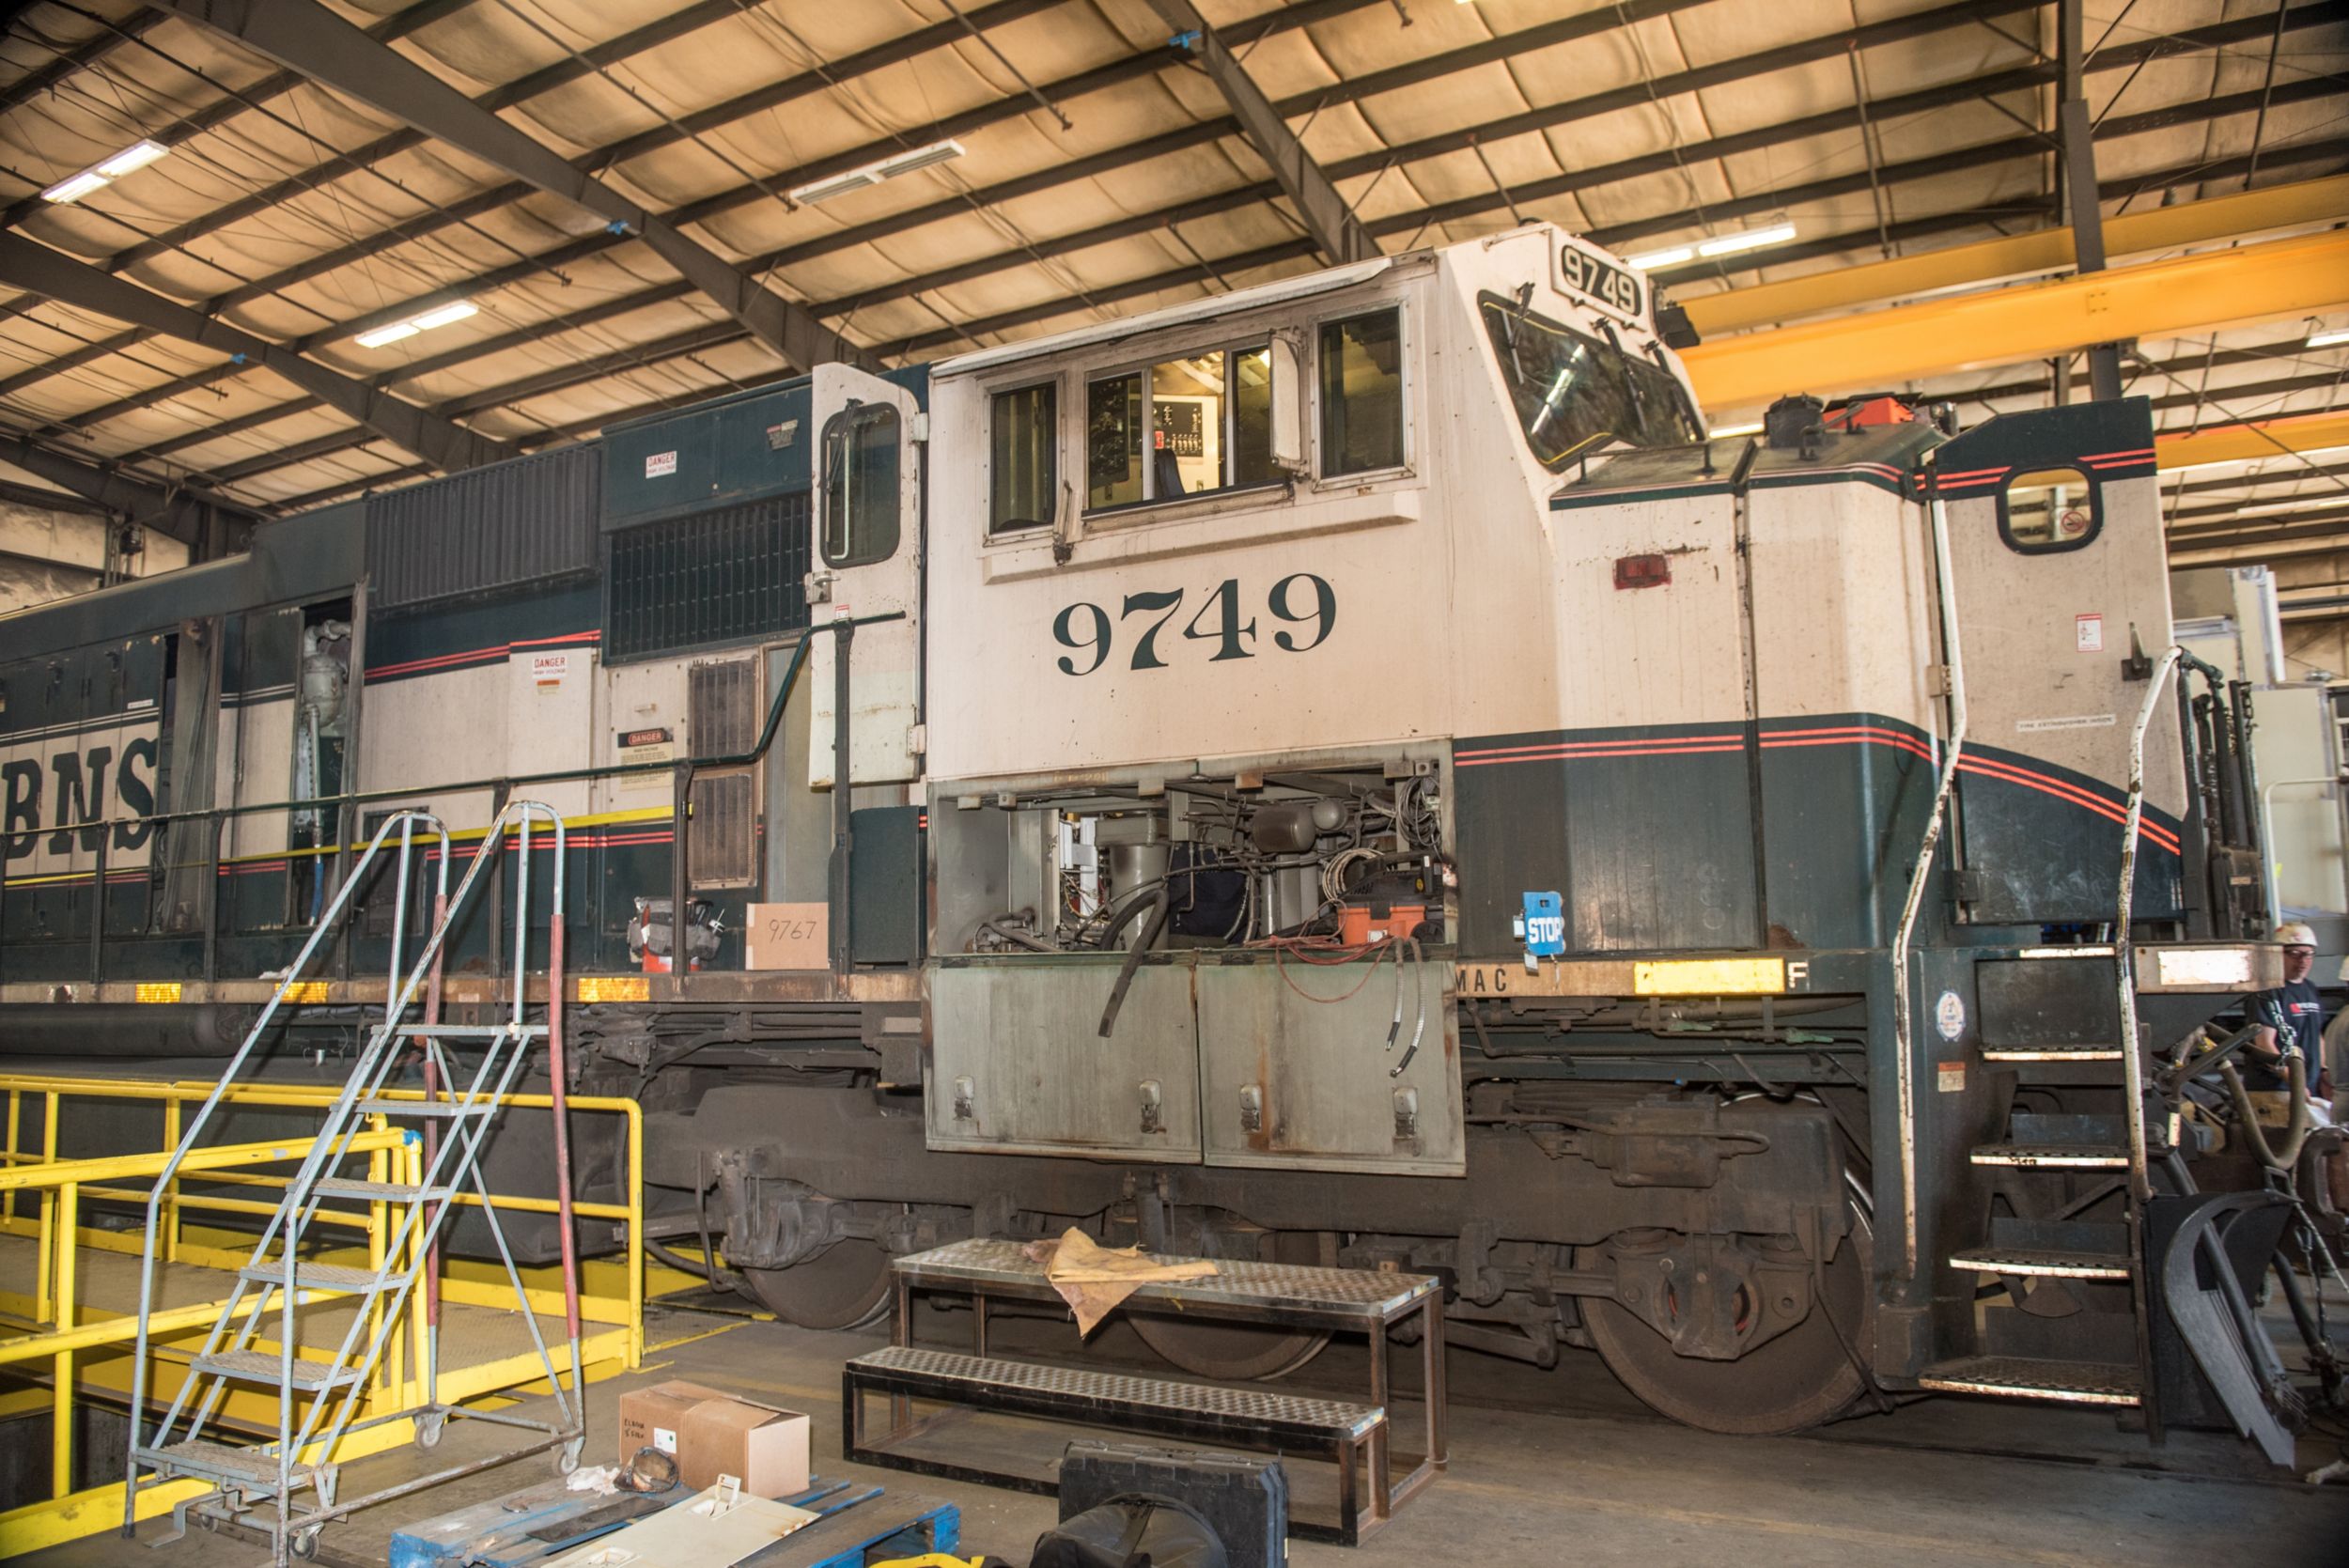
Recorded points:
(1905, 1070)
(2132, 1068)
(500, 788)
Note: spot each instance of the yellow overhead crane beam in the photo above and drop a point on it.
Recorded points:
(2263, 282)
(2163, 229)
(2257, 439)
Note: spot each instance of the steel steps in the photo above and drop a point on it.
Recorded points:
(249, 1470)
(2051, 1053)
(318, 1276)
(392, 1193)
(2027, 1377)
(2066, 1156)
(2054, 1261)
(262, 1366)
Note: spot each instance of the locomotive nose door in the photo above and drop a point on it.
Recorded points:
(2056, 549)
(868, 563)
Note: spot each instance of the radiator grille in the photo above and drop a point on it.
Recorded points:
(730, 574)
(722, 716)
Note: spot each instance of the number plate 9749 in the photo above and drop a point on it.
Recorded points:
(1305, 606)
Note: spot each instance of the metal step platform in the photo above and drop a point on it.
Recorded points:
(2067, 1157)
(2024, 1378)
(2051, 1053)
(1246, 1417)
(2055, 1263)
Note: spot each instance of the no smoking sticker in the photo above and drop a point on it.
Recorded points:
(2089, 633)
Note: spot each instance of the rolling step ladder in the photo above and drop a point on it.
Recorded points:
(256, 1340)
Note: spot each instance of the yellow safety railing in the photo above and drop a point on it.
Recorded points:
(45, 1197)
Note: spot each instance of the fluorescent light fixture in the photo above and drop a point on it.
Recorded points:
(2267, 507)
(97, 175)
(874, 173)
(1722, 432)
(1724, 244)
(75, 189)
(2329, 339)
(1752, 239)
(446, 314)
(136, 156)
(1648, 259)
(439, 315)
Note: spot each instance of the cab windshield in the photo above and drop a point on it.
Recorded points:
(1577, 394)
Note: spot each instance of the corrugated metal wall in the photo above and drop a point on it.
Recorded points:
(486, 528)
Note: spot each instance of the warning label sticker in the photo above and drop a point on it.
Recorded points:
(1949, 1077)
(2089, 632)
(659, 463)
(2075, 722)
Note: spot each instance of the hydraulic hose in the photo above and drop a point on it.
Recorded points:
(2297, 1127)
(1158, 903)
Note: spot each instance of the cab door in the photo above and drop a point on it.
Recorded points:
(868, 563)
(2060, 580)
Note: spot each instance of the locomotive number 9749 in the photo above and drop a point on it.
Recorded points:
(1300, 599)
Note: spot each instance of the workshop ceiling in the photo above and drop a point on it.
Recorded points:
(1101, 175)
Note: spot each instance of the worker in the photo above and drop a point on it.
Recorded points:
(2291, 1020)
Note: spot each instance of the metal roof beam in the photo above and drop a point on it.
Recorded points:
(1327, 215)
(308, 37)
(41, 271)
(80, 57)
(176, 512)
(228, 108)
(1395, 78)
(2267, 281)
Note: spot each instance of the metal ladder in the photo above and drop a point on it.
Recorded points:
(318, 1400)
(2057, 1148)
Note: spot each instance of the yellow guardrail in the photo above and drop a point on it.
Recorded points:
(45, 1197)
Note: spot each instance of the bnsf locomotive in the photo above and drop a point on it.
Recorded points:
(1345, 770)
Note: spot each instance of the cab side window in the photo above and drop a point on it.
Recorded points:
(1187, 426)
(861, 499)
(1361, 393)
(1023, 470)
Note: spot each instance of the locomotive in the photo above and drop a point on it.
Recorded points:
(1345, 770)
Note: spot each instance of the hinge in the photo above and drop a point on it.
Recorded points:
(920, 424)
(917, 739)
(1936, 680)
(1964, 885)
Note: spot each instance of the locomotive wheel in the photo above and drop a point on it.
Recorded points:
(1800, 1379)
(1240, 1351)
(845, 1286)
(1229, 1352)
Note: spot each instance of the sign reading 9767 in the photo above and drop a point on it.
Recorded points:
(1295, 615)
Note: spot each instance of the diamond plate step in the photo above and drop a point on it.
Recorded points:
(2067, 1157)
(259, 1366)
(2054, 1261)
(426, 1107)
(220, 1462)
(2024, 1378)
(2051, 1053)
(396, 1192)
(317, 1275)
(988, 1382)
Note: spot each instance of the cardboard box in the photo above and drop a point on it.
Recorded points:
(789, 937)
(713, 1433)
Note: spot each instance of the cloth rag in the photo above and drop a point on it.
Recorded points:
(1094, 1278)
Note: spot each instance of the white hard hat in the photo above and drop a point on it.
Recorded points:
(2291, 933)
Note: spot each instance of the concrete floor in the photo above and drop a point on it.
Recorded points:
(1548, 1467)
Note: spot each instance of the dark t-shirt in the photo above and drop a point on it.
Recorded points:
(2297, 1014)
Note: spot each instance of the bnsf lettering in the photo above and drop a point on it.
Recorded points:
(90, 785)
